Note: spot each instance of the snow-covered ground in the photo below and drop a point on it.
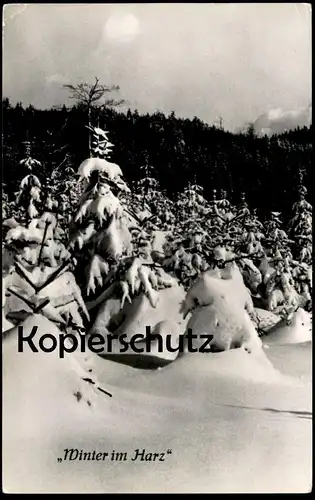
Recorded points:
(235, 422)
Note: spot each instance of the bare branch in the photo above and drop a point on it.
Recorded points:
(104, 296)
(54, 275)
(43, 242)
(41, 306)
(21, 272)
(24, 299)
(60, 164)
(109, 103)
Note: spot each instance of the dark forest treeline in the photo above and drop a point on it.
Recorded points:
(178, 151)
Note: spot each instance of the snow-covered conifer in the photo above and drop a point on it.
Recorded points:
(113, 245)
(300, 232)
(300, 227)
(29, 196)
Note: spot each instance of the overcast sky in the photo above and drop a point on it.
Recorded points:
(242, 62)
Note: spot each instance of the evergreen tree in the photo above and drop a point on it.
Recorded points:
(300, 227)
(115, 262)
(300, 231)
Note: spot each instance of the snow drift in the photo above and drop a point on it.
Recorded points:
(297, 329)
(134, 318)
(234, 423)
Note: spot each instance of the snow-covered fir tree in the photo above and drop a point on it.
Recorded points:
(300, 231)
(185, 248)
(247, 236)
(111, 245)
(300, 227)
(28, 197)
(35, 258)
(33, 233)
(276, 268)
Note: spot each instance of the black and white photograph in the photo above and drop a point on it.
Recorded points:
(157, 184)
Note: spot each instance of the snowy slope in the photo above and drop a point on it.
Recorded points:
(233, 421)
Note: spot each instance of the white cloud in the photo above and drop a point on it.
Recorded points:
(277, 120)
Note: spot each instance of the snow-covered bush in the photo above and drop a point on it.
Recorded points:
(221, 306)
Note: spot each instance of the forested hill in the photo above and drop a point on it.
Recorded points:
(175, 151)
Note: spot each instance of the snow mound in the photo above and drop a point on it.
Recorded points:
(230, 327)
(214, 283)
(297, 331)
(220, 307)
(294, 360)
(142, 314)
(134, 317)
(236, 364)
